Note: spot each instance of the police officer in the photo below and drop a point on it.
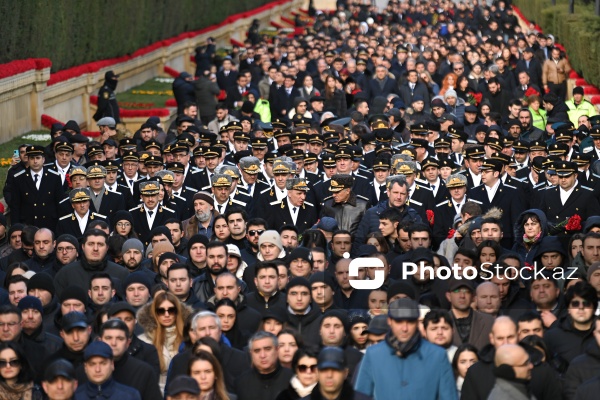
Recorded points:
(107, 99)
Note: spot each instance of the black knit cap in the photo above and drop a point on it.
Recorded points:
(298, 281)
(74, 292)
(69, 239)
(42, 281)
(400, 288)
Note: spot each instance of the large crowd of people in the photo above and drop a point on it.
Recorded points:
(437, 143)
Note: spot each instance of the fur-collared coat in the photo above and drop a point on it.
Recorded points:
(170, 348)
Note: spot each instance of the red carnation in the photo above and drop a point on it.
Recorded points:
(68, 180)
(574, 223)
(531, 92)
(451, 233)
(430, 217)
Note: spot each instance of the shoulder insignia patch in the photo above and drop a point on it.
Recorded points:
(66, 217)
(19, 173)
(53, 172)
(442, 203)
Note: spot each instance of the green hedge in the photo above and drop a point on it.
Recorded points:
(73, 32)
(578, 32)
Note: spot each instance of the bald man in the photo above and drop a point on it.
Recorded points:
(513, 371)
(487, 298)
(480, 378)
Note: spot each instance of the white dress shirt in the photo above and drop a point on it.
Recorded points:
(564, 194)
(491, 191)
(82, 221)
(293, 213)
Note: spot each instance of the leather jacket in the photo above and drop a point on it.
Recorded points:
(349, 214)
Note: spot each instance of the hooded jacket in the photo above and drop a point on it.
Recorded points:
(519, 247)
(565, 342)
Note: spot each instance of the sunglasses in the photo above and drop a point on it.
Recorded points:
(163, 311)
(583, 303)
(10, 363)
(305, 368)
(255, 232)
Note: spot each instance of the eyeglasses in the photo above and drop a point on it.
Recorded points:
(163, 311)
(583, 303)
(123, 224)
(458, 69)
(65, 249)
(306, 368)
(256, 232)
(10, 363)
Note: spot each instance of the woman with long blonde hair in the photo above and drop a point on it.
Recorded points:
(163, 321)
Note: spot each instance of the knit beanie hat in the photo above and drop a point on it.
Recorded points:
(28, 302)
(593, 268)
(122, 215)
(450, 93)
(197, 238)
(298, 281)
(400, 288)
(42, 281)
(168, 256)
(270, 237)
(132, 243)
(74, 292)
(69, 239)
(161, 230)
(162, 247)
(137, 277)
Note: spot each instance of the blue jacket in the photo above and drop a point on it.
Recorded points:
(110, 389)
(423, 374)
(370, 220)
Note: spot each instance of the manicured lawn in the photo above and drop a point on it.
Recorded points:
(150, 94)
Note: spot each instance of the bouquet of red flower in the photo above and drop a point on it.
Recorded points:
(474, 98)
(451, 233)
(68, 180)
(573, 223)
(430, 217)
(531, 92)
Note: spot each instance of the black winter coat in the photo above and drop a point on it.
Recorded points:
(252, 385)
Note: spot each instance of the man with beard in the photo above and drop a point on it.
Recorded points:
(202, 220)
(197, 251)
(216, 263)
(67, 248)
(107, 99)
(133, 255)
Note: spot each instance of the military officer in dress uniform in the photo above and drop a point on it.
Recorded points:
(250, 170)
(294, 209)
(381, 171)
(447, 210)
(221, 189)
(282, 170)
(569, 197)
(103, 201)
(76, 222)
(235, 193)
(473, 159)
(36, 193)
(150, 213)
(493, 193)
(345, 206)
(430, 171)
(63, 152)
(420, 195)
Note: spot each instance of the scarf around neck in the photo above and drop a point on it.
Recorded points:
(403, 350)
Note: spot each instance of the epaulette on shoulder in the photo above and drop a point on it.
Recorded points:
(309, 204)
(510, 186)
(179, 197)
(424, 187)
(168, 209)
(19, 173)
(99, 215)
(329, 197)
(266, 190)
(587, 187)
(53, 172)
(65, 217)
(416, 202)
(522, 180)
(421, 181)
(594, 175)
(362, 197)
(195, 170)
(275, 202)
(206, 187)
(191, 189)
(241, 203)
(63, 200)
(135, 208)
(475, 201)
(442, 203)
(537, 185)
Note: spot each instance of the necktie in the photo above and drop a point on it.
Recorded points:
(150, 213)
(294, 210)
(381, 189)
(131, 183)
(432, 187)
(35, 180)
(524, 88)
(412, 86)
(250, 189)
(220, 209)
